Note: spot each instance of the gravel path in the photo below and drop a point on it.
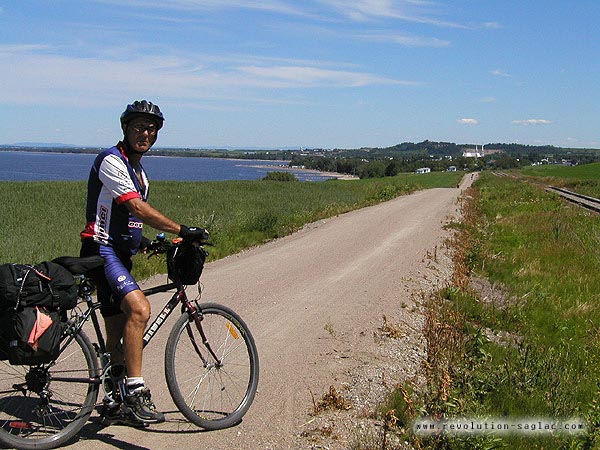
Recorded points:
(315, 302)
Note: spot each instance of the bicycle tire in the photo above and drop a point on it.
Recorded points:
(69, 406)
(210, 396)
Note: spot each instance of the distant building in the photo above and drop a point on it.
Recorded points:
(423, 170)
(451, 169)
(477, 153)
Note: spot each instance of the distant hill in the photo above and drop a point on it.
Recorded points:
(39, 145)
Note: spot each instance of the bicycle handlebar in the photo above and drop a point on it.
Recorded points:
(161, 245)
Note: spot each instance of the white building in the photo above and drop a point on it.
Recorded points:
(423, 170)
(470, 153)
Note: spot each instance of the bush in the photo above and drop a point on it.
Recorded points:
(280, 176)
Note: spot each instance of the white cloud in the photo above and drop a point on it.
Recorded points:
(281, 7)
(468, 121)
(500, 73)
(492, 25)
(532, 122)
(303, 76)
(488, 99)
(40, 76)
(419, 11)
(406, 40)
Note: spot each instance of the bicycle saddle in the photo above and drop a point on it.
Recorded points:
(76, 265)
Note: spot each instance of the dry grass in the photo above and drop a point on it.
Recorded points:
(331, 400)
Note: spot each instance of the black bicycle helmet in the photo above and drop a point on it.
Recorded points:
(143, 108)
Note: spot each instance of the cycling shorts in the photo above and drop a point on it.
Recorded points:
(114, 280)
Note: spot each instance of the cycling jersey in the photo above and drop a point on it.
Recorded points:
(112, 182)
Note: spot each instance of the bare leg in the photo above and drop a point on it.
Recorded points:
(114, 332)
(137, 310)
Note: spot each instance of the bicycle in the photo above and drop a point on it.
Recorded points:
(211, 366)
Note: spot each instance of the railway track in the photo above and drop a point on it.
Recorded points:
(582, 200)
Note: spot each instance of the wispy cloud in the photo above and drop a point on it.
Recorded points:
(42, 76)
(418, 11)
(467, 121)
(488, 99)
(22, 48)
(500, 73)
(492, 25)
(532, 122)
(275, 6)
(302, 76)
(407, 40)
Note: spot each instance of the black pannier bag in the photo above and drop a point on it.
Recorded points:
(46, 284)
(31, 336)
(186, 263)
(32, 297)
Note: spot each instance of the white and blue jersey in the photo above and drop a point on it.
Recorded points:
(111, 231)
(111, 183)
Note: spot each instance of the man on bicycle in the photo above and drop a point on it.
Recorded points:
(116, 209)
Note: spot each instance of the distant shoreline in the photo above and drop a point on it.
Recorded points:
(205, 168)
(336, 175)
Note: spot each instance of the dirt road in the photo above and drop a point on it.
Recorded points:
(314, 301)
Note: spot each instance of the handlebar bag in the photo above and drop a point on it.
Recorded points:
(185, 263)
(46, 284)
(33, 336)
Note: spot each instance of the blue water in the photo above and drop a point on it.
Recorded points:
(30, 166)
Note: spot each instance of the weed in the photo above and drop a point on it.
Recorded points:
(331, 400)
(329, 328)
(390, 330)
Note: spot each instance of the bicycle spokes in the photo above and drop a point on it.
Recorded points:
(217, 393)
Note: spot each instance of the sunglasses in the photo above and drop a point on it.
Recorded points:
(140, 128)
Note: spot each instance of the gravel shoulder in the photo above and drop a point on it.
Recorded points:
(315, 302)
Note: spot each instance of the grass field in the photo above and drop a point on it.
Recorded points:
(525, 345)
(584, 179)
(42, 220)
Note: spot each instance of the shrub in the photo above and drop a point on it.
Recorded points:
(280, 176)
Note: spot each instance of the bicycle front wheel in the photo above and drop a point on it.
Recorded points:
(42, 407)
(212, 381)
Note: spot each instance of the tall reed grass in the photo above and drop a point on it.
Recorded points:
(42, 220)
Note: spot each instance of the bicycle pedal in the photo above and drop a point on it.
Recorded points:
(126, 421)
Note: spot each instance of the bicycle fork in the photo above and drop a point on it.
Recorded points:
(194, 314)
(196, 317)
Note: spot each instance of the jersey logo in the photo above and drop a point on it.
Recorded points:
(133, 224)
(102, 216)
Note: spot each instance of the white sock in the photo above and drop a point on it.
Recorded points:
(135, 384)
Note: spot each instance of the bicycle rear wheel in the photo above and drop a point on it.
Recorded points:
(42, 407)
(212, 393)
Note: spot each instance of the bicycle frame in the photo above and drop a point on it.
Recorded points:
(193, 310)
(179, 297)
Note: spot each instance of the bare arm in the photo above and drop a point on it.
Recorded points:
(150, 216)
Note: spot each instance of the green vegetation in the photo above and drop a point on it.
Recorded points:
(42, 220)
(280, 176)
(529, 346)
(438, 156)
(375, 162)
(584, 179)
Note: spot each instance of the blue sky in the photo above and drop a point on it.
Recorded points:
(315, 73)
